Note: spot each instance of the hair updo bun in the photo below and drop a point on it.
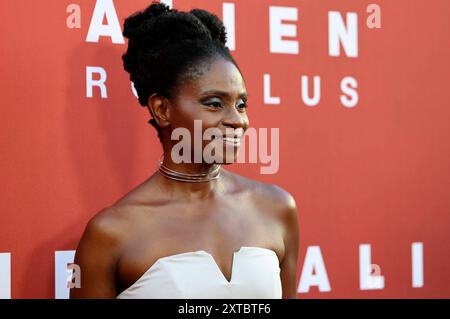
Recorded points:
(164, 43)
(167, 46)
(213, 23)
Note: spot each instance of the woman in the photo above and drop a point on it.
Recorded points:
(192, 229)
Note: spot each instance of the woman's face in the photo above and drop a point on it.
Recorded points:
(218, 98)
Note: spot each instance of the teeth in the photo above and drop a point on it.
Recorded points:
(230, 139)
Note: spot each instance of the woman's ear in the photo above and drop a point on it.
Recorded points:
(159, 108)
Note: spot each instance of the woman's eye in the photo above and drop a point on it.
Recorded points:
(243, 105)
(214, 104)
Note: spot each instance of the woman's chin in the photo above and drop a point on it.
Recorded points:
(230, 155)
(227, 159)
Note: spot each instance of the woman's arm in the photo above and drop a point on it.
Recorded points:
(291, 242)
(96, 256)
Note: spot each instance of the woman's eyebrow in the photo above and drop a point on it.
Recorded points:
(223, 93)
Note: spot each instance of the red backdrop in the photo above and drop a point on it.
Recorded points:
(376, 173)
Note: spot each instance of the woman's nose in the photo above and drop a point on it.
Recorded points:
(235, 119)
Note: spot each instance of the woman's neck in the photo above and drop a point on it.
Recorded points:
(180, 188)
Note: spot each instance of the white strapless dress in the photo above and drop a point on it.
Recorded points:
(255, 274)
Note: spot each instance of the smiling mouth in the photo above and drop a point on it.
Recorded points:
(233, 141)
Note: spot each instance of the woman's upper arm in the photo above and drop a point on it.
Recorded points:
(288, 265)
(96, 256)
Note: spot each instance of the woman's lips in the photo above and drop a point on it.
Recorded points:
(232, 141)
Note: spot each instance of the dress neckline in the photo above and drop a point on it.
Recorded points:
(211, 257)
(228, 281)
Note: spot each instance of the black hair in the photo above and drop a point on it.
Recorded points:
(167, 47)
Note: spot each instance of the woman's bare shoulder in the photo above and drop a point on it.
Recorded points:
(266, 193)
(107, 226)
(98, 251)
(274, 201)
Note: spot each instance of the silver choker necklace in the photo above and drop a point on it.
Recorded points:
(188, 177)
